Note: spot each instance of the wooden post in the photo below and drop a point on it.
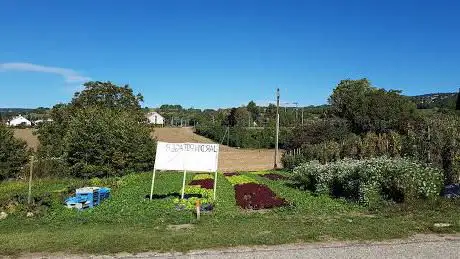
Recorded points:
(29, 197)
(215, 185)
(183, 184)
(153, 183)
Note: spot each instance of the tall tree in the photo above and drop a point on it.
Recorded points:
(13, 153)
(108, 95)
(371, 109)
(99, 133)
(254, 110)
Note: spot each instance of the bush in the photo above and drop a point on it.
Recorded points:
(243, 137)
(13, 154)
(318, 131)
(371, 180)
(104, 142)
(436, 140)
(353, 146)
(101, 132)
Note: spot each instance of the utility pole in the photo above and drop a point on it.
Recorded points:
(277, 126)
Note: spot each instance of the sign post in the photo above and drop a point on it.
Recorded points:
(186, 157)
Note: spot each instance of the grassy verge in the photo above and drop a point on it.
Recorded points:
(129, 223)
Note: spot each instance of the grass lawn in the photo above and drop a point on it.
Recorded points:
(128, 223)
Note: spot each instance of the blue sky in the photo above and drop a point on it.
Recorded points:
(208, 54)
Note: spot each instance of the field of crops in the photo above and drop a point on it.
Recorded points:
(250, 209)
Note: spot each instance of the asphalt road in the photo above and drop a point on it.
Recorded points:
(419, 246)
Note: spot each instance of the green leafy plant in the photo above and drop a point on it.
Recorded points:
(240, 179)
(202, 176)
(370, 180)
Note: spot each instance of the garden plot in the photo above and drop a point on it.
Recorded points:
(199, 190)
(249, 194)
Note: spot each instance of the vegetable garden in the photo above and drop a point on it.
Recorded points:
(130, 222)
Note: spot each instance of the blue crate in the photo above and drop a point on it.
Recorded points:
(88, 197)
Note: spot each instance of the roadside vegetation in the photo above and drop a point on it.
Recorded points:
(369, 166)
(128, 222)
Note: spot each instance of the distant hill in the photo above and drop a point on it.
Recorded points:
(435, 100)
(16, 110)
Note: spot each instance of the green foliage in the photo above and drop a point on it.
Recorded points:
(436, 140)
(243, 137)
(13, 154)
(106, 142)
(371, 109)
(354, 146)
(240, 179)
(371, 180)
(190, 203)
(100, 133)
(202, 176)
(435, 101)
(109, 96)
(318, 131)
(127, 222)
(253, 110)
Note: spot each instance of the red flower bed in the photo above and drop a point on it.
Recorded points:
(256, 196)
(274, 176)
(231, 174)
(204, 183)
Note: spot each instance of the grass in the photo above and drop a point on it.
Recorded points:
(128, 223)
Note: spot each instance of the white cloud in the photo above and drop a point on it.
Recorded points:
(69, 75)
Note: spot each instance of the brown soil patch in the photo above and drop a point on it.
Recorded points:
(28, 136)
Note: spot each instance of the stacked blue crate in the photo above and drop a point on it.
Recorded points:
(88, 197)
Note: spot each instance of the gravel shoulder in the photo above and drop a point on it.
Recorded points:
(418, 246)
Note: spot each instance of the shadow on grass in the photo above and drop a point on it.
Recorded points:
(172, 195)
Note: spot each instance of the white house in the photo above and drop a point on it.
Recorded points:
(155, 118)
(18, 120)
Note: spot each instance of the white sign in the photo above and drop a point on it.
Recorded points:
(198, 157)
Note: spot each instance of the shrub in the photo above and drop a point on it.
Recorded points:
(318, 131)
(13, 154)
(101, 132)
(436, 140)
(243, 137)
(370, 145)
(104, 142)
(370, 180)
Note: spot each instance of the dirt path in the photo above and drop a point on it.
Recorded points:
(230, 159)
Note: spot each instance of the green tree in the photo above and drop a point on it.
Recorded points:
(371, 109)
(254, 110)
(238, 117)
(108, 95)
(13, 154)
(101, 132)
(106, 142)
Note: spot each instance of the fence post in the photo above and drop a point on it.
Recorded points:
(29, 197)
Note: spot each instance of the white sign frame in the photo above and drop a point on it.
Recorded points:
(183, 157)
